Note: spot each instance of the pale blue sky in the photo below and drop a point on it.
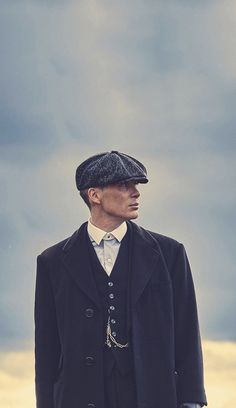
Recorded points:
(156, 80)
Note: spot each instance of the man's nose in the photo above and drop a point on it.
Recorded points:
(135, 192)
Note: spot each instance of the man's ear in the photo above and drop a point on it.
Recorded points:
(94, 194)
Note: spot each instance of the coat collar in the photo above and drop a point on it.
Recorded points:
(146, 255)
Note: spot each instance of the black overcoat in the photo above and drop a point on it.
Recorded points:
(69, 326)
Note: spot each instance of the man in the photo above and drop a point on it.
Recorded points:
(116, 322)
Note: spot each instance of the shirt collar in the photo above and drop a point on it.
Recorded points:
(98, 234)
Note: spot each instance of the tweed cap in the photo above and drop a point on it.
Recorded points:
(108, 168)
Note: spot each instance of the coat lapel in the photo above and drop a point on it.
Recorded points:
(76, 260)
(145, 258)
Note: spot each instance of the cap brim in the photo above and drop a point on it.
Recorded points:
(142, 180)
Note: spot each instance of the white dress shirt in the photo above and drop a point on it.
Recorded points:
(106, 244)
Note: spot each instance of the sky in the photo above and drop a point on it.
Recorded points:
(153, 79)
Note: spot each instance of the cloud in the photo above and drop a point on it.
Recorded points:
(154, 81)
(17, 380)
(220, 373)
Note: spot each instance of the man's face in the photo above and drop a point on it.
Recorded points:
(120, 200)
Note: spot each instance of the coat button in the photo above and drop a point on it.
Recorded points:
(91, 405)
(89, 361)
(89, 312)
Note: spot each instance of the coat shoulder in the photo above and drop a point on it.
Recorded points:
(54, 250)
(168, 246)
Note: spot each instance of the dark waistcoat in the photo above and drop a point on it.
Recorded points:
(115, 299)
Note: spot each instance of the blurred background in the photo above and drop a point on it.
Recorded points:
(153, 79)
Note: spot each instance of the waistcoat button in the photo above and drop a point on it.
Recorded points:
(89, 312)
(89, 361)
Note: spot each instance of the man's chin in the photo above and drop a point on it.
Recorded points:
(133, 215)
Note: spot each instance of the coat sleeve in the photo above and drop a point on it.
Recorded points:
(188, 351)
(47, 344)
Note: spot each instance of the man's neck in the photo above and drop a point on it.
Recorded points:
(107, 225)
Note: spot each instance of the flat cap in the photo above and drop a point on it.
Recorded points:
(107, 168)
